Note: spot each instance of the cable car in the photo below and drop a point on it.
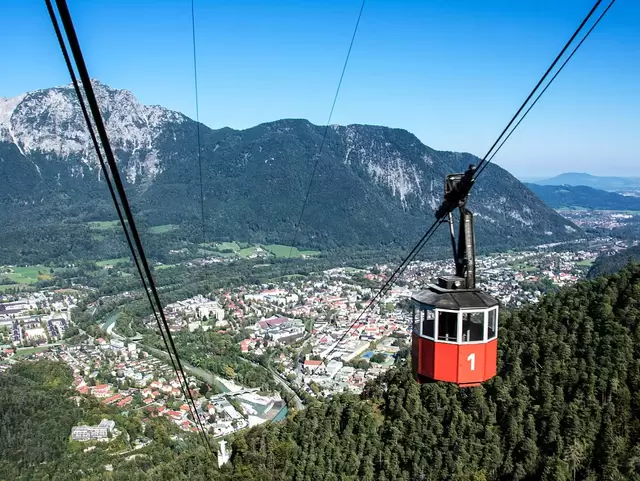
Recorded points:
(455, 325)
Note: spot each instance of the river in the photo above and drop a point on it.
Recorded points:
(110, 322)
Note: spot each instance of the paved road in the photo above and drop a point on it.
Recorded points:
(298, 355)
(282, 382)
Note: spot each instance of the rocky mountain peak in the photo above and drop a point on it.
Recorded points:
(50, 121)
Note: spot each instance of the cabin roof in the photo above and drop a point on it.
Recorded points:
(455, 299)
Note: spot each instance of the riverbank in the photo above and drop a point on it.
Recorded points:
(206, 376)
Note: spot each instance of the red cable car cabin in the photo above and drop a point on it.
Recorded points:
(455, 335)
(455, 325)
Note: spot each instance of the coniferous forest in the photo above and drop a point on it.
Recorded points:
(565, 405)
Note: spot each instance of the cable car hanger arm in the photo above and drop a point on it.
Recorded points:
(456, 193)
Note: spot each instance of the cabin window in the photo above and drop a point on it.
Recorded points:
(429, 323)
(472, 326)
(447, 326)
(413, 318)
(492, 331)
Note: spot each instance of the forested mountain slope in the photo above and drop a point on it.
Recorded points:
(610, 264)
(565, 405)
(374, 186)
(35, 414)
(37, 411)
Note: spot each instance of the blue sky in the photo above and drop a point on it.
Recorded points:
(450, 71)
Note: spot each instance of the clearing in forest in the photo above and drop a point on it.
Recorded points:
(162, 229)
(102, 225)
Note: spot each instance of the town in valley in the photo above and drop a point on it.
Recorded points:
(308, 329)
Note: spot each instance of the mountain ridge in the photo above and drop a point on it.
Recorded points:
(374, 186)
(609, 183)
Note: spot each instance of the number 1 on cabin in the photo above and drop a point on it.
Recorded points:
(472, 360)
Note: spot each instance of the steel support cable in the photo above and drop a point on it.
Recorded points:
(199, 156)
(199, 153)
(324, 136)
(546, 87)
(482, 165)
(109, 184)
(542, 79)
(94, 140)
(74, 44)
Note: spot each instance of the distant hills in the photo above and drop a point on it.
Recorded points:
(614, 184)
(582, 197)
(375, 187)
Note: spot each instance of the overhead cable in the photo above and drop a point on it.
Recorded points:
(74, 45)
(324, 136)
(479, 168)
(547, 86)
(387, 285)
(195, 84)
(105, 171)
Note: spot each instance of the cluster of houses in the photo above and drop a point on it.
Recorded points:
(319, 313)
(124, 376)
(315, 318)
(509, 276)
(602, 219)
(275, 329)
(198, 312)
(37, 318)
(332, 302)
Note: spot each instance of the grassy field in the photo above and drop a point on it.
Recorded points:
(242, 249)
(104, 225)
(25, 275)
(225, 246)
(21, 287)
(22, 352)
(165, 266)
(283, 251)
(353, 270)
(162, 229)
(209, 252)
(246, 252)
(223, 255)
(292, 276)
(585, 263)
(111, 262)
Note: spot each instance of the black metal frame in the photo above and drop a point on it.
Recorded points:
(456, 193)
